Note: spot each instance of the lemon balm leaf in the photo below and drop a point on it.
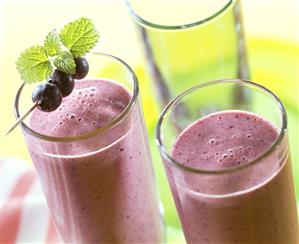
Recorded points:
(52, 43)
(65, 62)
(34, 65)
(79, 36)
(60, 50)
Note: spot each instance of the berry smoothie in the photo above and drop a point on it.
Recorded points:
(99, 188)
(253, 204)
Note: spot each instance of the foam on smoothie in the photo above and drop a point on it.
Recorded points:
(223, 140)
(91, 105)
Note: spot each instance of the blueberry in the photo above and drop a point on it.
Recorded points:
(63, 81)
(47, 96)
(82, 68)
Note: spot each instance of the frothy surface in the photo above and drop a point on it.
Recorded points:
(223, 140)
(91, 105)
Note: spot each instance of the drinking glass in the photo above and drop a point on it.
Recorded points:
(248, 203)
(100, 185)
(190, 41)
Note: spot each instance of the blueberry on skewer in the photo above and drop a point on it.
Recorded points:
(47, 96)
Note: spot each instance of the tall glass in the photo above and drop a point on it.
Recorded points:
(249, 203)
(192, 40)
(100, 185)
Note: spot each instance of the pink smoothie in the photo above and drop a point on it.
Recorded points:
(251, 205)
(100, 189)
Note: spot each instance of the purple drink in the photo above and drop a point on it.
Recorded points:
(228, 164)
(224, 140)
(93, 160)
(105, 196)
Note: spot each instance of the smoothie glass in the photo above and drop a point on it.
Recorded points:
(248, 203)
(191, 40)
(100, 185)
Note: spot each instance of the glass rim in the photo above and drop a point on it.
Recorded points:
(91, 133)
(177, 99)
(174, 27)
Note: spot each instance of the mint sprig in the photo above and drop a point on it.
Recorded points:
(65, 62)
(52, 43)
(34, 65)
(79, 36)
(75, 40)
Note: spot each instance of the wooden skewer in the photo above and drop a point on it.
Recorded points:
(21, 119)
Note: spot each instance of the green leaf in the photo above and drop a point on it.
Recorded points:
(52, 43)
(65, 62)
(33, 64)
(79, 36)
